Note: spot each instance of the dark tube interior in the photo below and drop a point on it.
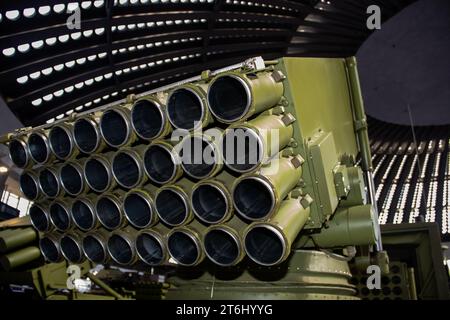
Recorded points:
(49, 249)
(97, 175)
(170, 207)
(221, 247)
(183, 248)
(18, 153)
(137, 210)
(38, 148)
(60, 142)
(209, 203)
(149, 249)
(39, 218)
(159, 164)
(126, 170)
(71, 179)
(93, 249)
(114, 128)
(108, 213)
(184, 109)
(198, 157)
(264, 246)
(120, 249)
(241, 149)
(147, 119)
(70, 249)
(228, 98)
(85, 135)
(49, 183)
(28, 186)
(82, 215)
(253, 199)
(59, 216)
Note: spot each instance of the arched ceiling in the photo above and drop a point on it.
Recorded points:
(131, 46)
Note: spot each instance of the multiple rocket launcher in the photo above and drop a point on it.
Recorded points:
(113, 186)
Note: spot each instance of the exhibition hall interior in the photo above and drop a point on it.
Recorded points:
(225, 150)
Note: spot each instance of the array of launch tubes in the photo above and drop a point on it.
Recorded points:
(126, 184)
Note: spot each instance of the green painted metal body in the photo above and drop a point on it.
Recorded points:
(305, 275)
(19, 258)
(15, 238)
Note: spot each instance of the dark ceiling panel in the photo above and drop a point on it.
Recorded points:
(133, 46)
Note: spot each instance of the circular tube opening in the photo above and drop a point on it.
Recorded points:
(264, 245)
(39, 218)
(71, 249)
(120, 249)
(159, 164)
(71, 179)
(198, 157)
(185, 108)
(28, 185)
(172, 207)
(147, 119)
(221, 247)
(114, 128)
(86, 135)
(183, 248)
(97, 175)
(253, 198)
(229, 98)
(108, 213)
(60, 142)
(83, 215)
(209, 203)
(94, 249)
(49, 249)
(242, 149)
(59, 216)
(38, 148)
(150, 249)
(49, 183)
(126, 170)
(138, 210)
(18, 153)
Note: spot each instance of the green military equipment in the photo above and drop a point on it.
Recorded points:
(83, 214)
(172, 203)
(98, 172)
(62, 142)
(87, 135)
(267, 135)
(258, 195)
(200, 154)
(185, 244)
(29, 185)
(50, 248)
(211, 199)
(19, 258)
(187, 107)
(151, 245)
(72, 247)
(128, 166)
(139, 206)
(109, 211)
(49, 182)
(115, 126)
(19, 152)
(60, 214)
(71, 177)
(149, 117)
(39, 146)
(11, 239)
(40, 217)
(223, 242)
(269, 243)
(121, 246)
(94, 245)
(235, 96)
(162, 163)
